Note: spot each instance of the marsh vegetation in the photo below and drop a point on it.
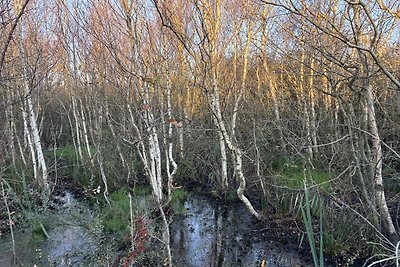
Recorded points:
(138, 129)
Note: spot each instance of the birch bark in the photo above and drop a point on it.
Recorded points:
(377, 163)
(30, 121)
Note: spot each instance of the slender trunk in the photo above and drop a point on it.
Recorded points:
(10, 222)
(33, 127)
(215, 106)
(224, 160)
(258, 168)
(359, 161)
(313, 127)
(28, 136)
(73, 134)
(153, 147)
(10, 133)
(272, 85)
(154, 168)
(181, 142)
(20, 147)
(242, 89)
(377, 163)
(43, 181)
(170, 157)
(99, 158)
(181, 105)
(304, 105)
(111, 127)
(85, 133)
(167, 234)
(77, 130)
(303, 95)
(239, 95)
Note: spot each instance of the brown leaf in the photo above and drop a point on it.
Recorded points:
(176, 123)
(145, 107)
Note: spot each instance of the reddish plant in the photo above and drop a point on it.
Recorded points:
(140, 239)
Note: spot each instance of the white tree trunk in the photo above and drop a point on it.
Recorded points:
(31, 124)
(85, 133)
(171, 159)
(313, 127)
(215, 106)
(10, 128)
(377, 163)
(303, 96)
(43, 181)
(77, 130)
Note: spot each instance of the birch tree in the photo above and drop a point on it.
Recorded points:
(31, 128)
(207, 23)
(360, 34)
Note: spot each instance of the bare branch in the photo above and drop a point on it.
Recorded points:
(10, 34)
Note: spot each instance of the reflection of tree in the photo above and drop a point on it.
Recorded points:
(220, 231)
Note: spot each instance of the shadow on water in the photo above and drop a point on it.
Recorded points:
(216, 235)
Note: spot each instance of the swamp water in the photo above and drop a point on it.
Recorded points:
(217, 235)
(206, 235)
(69, 242)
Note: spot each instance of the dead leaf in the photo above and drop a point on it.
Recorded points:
(146, 107)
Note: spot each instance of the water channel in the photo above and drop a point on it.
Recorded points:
(207, 234)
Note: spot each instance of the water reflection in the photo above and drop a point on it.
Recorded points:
(208, 235)
(214, 235)
(69, 242)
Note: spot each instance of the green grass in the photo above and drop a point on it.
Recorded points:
(341, 229)
(68, 166)
(67, 153)
(116, 217)
(39, 232)
(291, 174)
(141, 190)
(18, 176)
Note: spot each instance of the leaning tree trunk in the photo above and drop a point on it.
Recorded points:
(234, 148)
(376, 161)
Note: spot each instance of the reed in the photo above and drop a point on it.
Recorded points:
(307, 219)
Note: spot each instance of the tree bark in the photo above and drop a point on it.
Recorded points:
(376, 161)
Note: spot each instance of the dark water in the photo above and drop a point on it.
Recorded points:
(71, 240)
(212, 235)
(207, 235)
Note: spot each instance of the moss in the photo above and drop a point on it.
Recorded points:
(179, 195)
